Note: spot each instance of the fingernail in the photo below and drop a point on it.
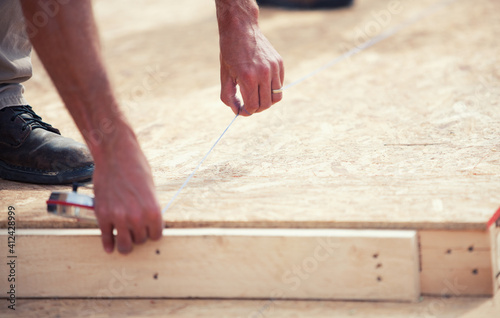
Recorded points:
(108, 249)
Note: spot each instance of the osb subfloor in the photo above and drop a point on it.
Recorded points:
(403, 135)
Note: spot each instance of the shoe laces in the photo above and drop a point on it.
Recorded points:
(32, 120)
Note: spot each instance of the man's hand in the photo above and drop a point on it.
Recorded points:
(125, 194)
(125, 200)
(247, 59)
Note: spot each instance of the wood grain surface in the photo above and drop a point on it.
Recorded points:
(403, 135)
(458, 263)
(435, 307)
(220, 263)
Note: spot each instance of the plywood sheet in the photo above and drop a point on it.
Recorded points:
(403, 135)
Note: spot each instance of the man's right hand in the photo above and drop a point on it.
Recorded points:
(125, 197)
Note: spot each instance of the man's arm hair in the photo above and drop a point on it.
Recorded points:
(68, 46)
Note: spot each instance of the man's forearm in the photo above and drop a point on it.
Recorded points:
(125, 199)
(68, 46)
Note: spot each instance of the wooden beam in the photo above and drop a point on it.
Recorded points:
(457, 263)
(221, 263)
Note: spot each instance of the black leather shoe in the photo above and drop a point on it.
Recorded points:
(35, 152)
(307, 4)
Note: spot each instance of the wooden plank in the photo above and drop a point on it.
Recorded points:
(222, 263)
(456, 263)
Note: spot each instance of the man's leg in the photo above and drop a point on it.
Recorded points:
(30, 149)
(15, 50)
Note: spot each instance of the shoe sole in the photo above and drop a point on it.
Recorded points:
(18, 174)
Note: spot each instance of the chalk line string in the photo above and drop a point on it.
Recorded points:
(197, 167)
(358, 49)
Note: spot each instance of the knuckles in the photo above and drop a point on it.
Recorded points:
(153, 217)
(251, 108)
(264, 71)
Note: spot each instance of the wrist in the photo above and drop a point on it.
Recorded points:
(236, 14)
(113, 139)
